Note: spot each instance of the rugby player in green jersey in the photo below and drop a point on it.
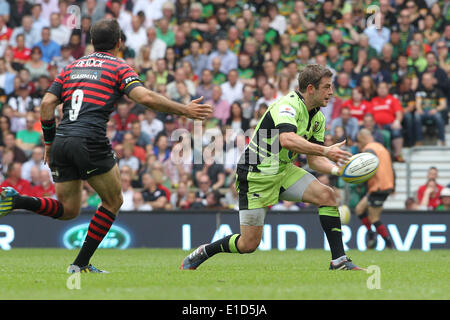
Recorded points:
(265, 173)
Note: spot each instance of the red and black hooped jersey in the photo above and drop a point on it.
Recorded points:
(89, 89)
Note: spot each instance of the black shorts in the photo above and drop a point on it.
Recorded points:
(80, 158)
(377, 199)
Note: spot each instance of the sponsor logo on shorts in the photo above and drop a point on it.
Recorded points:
(90, 171)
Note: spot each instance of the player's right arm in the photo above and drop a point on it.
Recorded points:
(293, 142)
(286, 114)
(48, 106)
(157, 102)
(49, 102)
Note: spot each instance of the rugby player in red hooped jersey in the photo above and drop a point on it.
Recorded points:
(388, 114)
(357, 105)
(78, 149)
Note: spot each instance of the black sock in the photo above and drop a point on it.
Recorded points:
(48, 207)
(227, 244)
(98, 228)
(332, 227)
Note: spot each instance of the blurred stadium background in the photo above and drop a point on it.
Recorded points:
(241, 56)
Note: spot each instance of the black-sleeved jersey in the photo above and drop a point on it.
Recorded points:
(89, 89)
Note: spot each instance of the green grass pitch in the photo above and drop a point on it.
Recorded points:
(278, 275)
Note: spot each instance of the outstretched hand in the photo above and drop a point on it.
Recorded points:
(198, 111)
(336, 154)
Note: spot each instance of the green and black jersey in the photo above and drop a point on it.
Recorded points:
(430, 98)
(289, 114)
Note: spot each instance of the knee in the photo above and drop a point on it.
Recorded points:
(113, 204)
(70, 213)
(248, 245)
(327, 197)
(372, 219)
(118, 202)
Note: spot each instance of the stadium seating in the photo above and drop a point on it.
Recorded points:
(419, 161)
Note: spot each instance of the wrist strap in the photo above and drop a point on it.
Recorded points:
(335, 171)
(49, 130)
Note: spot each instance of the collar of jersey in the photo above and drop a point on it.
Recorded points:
(300, 96)
(313, 112)
(104, 52)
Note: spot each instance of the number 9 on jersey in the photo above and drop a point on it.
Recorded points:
(77, 101)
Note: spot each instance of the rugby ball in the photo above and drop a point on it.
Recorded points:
(360, 168)
(344, 214)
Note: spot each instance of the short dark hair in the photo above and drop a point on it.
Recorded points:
(431, 53)
(270, 85)
(344, 108)
(348, 59)
(368, 115)
(312, 74)
(123, 37)
(105, 34)
(36, 48)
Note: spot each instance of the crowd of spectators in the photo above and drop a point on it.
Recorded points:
(390, 66)
(431, 195)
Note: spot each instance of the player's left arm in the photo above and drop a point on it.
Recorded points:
(130, 84)
(158, 102)
(323, 165)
